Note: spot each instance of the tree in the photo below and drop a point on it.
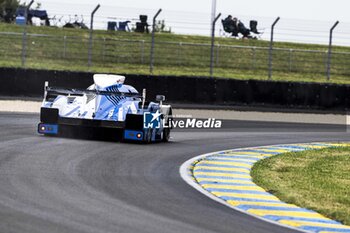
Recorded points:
(8, 10)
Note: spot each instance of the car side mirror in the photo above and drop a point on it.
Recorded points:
(160, 98)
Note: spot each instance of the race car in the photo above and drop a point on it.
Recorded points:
(108, 106)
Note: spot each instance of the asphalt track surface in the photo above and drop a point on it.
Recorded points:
(50, 184)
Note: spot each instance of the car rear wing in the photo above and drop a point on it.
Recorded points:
(50, 92)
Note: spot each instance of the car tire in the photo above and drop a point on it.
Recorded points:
(166, 135)
(148, 136)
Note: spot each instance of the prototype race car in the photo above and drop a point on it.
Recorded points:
(108, 105)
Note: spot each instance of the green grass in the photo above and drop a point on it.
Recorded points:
(123, 52)
(317, 180)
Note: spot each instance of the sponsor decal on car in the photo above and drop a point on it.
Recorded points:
(151, 120)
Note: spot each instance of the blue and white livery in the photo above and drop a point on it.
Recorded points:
(108, 104)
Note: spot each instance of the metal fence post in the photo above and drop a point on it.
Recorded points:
(253, 58)
(217, 54)
(290, 60)
(179, 53)
(142, 46)
(152, 45)
(24, 38)
(271, 47)
(64, 46)
(212, 44)
(213, 13)
(330, 51)
(90, 38)
(104, 49)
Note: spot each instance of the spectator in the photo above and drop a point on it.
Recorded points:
(230, 25)
(242, 29)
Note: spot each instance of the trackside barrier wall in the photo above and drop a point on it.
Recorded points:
(196, 90)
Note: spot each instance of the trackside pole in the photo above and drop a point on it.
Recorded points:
(271, 47)
(90, 38)
(152, 45)
(24, 38)
(212, 45)
(213, 13)
(330, 51)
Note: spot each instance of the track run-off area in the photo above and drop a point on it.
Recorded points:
(50, 184)
(225, 177)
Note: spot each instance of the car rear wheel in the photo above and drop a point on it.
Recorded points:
(148, 136)
(166, 135)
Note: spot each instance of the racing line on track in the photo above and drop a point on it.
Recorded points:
(225, 177)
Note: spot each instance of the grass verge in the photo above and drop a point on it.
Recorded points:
(316, 179)
(129, 53)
